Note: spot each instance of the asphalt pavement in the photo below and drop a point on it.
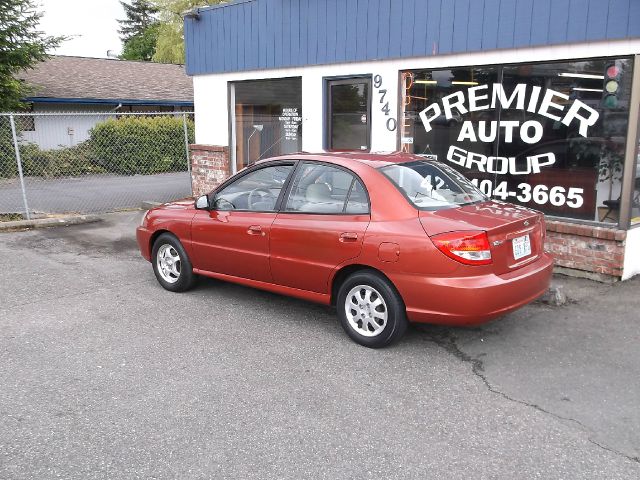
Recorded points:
(106, 375)
(92, 193)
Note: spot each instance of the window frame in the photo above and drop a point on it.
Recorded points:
(328, 127)
(428, 209)
(236, 178)
(29, 121)
(355, 176)
(628, 161)
(231, 115)
(286, 188)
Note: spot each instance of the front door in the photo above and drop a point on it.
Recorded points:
(321, 226)
(349, 114)
(233, 238)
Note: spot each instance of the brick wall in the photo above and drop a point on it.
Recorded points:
(209, 167)
(597, 252)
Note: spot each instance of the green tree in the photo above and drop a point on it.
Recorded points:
(142, 46)
(140, 15)
(22, 46)
(139, 30)
(170, 43)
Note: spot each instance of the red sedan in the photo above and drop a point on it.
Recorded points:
(387, 239)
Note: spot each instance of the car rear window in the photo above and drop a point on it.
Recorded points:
(430, 185)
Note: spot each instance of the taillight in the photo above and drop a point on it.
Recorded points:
(470, 248)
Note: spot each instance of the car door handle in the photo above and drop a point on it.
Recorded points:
(348, 237)
(255, 230)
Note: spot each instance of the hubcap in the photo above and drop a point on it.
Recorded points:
(366, 310)
(168, 261)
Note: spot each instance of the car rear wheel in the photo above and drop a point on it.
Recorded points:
(370, 309)
(171, 264)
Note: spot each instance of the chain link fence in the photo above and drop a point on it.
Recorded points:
(53, 163)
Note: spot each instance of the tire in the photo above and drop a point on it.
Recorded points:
(171, 264)
(377, 301)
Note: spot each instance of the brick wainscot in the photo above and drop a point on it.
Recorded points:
(586, 251)
(210, 167)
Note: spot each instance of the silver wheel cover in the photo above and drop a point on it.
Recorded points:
(169, 263)
(366, 310)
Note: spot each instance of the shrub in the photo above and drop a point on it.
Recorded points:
(140, 145)
(125, 146)
(8, 167)
(66, 161)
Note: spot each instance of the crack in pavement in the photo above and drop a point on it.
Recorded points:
(447, 341)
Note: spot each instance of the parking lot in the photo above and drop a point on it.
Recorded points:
(106, 375)
(92, 193)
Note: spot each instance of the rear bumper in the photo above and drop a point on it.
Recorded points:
(143, 236)
(473, 300)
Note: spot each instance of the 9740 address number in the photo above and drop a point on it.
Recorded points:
(557, 196)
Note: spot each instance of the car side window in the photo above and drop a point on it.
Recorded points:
(358, 202)
(256, 191)
(319, 188)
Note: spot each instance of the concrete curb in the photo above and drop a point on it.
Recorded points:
(48, 222)
(148, 205)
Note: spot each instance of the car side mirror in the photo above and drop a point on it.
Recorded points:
(202, 203)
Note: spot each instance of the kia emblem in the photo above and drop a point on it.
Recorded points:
(526, 223)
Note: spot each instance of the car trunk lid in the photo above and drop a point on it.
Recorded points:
(516, 234)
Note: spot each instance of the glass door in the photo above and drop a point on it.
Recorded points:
(349, 114)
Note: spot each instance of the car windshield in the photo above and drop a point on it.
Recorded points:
(430, 185)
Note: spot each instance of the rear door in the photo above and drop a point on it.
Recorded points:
(321, 225)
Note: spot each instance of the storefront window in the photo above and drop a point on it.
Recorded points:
(266, 120)
(426, 87)
(549, 136)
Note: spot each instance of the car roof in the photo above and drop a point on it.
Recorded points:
(372, 159)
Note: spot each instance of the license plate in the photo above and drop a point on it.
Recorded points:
(521, 247)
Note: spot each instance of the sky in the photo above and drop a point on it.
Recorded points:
(92, 24)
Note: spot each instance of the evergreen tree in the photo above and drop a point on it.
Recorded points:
(22, 46)
(140, 15)
(139, 30)
(142, 46)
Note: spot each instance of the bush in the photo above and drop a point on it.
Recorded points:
(125, 146)
(140, 145)
(66, 161)
(8, 167)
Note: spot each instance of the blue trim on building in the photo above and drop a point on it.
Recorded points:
(261, 34)
(109, 101)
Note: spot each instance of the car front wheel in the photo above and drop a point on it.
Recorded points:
(370, 309)
(171, 264)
